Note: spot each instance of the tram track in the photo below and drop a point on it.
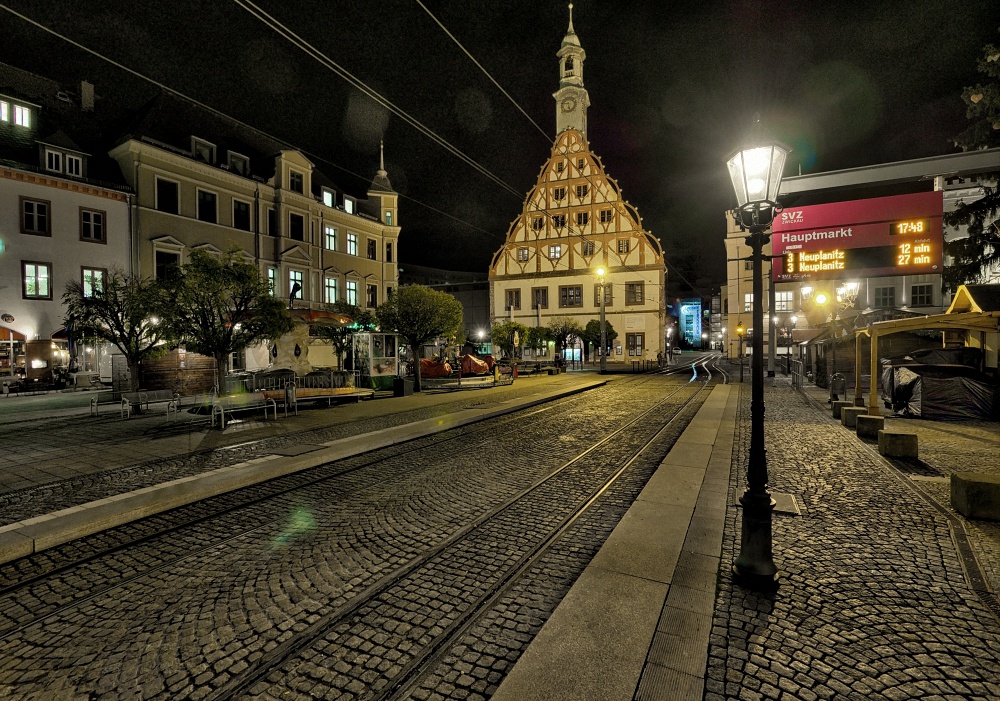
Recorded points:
(163, 539)
(397, 591)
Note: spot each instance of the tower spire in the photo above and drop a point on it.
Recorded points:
(571, 98)
(381, 181)
(570, 30)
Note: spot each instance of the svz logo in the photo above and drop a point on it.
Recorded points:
(793, 217)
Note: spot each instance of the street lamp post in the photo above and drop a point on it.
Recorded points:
(740, 332)
(756, 176)
(604, 326)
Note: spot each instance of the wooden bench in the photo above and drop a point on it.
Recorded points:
(241, 402)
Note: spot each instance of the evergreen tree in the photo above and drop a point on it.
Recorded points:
(975, 256)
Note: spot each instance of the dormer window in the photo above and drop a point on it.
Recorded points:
(349, 205)
(202, 150)
(296, 182)
(74, 166)
(328, 197)
(22, 116)
(239, 163)
(53, 161)
(568, 66)
(4, 111)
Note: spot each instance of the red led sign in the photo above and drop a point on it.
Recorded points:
(900, 235)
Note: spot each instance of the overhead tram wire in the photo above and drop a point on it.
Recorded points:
(514, 102)
(219, 113)
(290, 36)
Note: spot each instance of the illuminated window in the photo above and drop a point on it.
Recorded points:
(330, 290)
(53, 161)
(295, 277)
(605, 216)
(634, 293)
(784, 301)
(296, 181)
(388, 218)
(74, 166)
(35, 217)
(885, 298)
(522, 254)
(35, 279)
(513, 299)
(92, 225)
(540, 297)
(327, 198)
(921, 295)
(748, 302)
(352, 292)
(22, 116)
(582, 218)
(581, 190)
(241, 215)
(4, 111)
(272, 281)
(296, 227)
(349, 206)
(555, 251)
(623, 245)
(329, 238)
(93, 280)
(571, 296)
(587, 248)
(352, 244)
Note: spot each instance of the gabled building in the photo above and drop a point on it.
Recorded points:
(573, 222)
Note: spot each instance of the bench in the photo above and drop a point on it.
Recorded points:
(241, 402)
(144, 399)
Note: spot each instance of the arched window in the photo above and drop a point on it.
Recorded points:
(568, 66)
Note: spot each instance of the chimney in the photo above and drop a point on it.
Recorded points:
(87, 96)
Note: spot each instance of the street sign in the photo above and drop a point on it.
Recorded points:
(899, 235)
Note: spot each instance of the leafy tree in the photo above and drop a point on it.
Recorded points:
(592, 334)
(564, 330)
(126, 312)
(340, 336)
(220, 305)
(973, 257)
(419, 314)
(537, 337)
(502, 333)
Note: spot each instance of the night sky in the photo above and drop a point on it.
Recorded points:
(673, 88)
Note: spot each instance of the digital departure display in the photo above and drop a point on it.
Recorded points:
(900, 235)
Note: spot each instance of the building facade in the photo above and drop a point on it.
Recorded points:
(573, 222)
(57, 225)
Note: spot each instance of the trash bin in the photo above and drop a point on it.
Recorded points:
(402, 387)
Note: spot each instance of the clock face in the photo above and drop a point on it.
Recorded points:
(568, 104)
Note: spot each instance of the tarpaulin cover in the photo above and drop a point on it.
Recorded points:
(971, 357)
(471, 365)
(935, 392)
(432, 367)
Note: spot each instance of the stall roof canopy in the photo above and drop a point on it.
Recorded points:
(11, 335)
(974, 307)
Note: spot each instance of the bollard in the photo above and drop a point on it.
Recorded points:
(849, 415)
(896, 444)
(868, 426)
(838, 406)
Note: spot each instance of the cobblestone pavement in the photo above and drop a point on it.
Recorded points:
(72, 458)
(186, 627)
(873, 602)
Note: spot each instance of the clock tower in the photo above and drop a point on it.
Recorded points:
(571, 98)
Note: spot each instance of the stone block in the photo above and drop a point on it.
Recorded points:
(838, 406)
(976, 495)
(896, 444)
(869, 425)
(849, 415)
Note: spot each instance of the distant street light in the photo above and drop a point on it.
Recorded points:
(604, 327)
(756, 176)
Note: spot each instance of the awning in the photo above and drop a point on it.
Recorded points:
(317, 317)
